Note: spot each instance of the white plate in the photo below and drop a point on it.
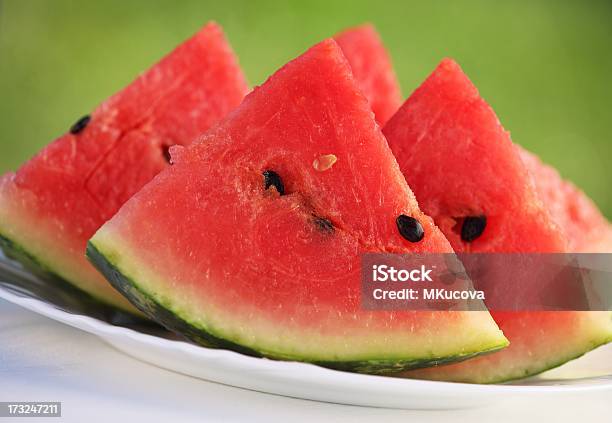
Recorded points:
(590, 373)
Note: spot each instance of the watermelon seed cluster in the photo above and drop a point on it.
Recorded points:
(409, 228)
(80, 125)
(271, 178)
(473, 227)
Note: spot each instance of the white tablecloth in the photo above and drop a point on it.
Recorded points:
(41, 360)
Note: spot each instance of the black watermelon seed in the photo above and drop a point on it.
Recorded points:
(324, 225)
(473, 227)
(409, 228)
(272, 178)
(80, 125)
(166, 153)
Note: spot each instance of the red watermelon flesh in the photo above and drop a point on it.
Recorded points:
(252, 239)
(463, 166)
(372, 69)
(56, 201)
(587, 230)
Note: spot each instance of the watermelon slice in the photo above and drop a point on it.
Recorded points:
(372, 69)
(469, 176)
(55, 202)
(576, 214)
(252, 240)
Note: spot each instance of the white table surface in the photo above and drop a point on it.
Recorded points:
(42, 360)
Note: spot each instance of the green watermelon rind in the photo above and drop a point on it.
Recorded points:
(37, 267)
(592, 344)
(554, 365)
(535, 373)
(16, 252)
(164, 314)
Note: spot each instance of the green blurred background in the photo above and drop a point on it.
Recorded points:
(545, 66)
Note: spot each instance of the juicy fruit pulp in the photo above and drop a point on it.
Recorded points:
(463, 167)
(246, 243)
(575, 214)
(55, 202)
(372, 69)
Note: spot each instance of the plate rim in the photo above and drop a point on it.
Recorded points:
(103, 330)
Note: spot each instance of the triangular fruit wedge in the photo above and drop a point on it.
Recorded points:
(252, 240)
(56, 201)
(372, 69)
(468, 175)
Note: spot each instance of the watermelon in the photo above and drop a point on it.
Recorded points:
(69, 189)
(468, 175)
(586, 229)
(252, 239)
(372, 69)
